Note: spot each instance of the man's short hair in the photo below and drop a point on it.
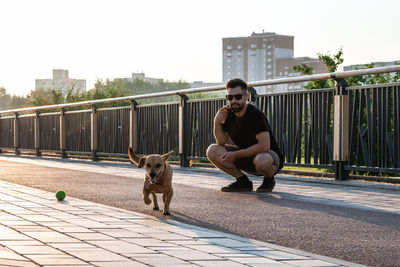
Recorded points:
(235, 82)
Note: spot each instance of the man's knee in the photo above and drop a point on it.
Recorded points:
(263, 161)
(211, 151)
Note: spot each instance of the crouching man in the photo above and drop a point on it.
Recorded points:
(255, 149)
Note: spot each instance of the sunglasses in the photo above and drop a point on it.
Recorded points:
(231, 97)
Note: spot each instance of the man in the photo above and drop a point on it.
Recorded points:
(255, 149)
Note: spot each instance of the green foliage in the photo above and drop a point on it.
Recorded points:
(10, 102)
(373, 78)
(333, 62)
(102, 90)
(303, 69)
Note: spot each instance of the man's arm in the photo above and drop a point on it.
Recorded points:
(263, 145)
(220, 136)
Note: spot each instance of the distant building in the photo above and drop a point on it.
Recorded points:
(264, 56)
(197, 84)
(140, 76)
(61, 81)
(377, 65)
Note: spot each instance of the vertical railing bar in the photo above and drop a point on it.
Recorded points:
(369, 123)
(396, 125)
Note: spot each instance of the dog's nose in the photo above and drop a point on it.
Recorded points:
(152, 174)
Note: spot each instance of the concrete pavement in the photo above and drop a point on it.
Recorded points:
(36, 229)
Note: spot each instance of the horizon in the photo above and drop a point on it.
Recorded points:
(177, 40)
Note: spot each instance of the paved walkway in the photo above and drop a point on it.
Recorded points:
(360, 195)
(35, 229)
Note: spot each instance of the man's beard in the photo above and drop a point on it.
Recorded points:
(238, 107)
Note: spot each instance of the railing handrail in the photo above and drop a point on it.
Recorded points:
(306, 78)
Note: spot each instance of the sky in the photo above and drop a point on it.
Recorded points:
(178, 39)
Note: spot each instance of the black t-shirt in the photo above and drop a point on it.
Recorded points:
(243, 130)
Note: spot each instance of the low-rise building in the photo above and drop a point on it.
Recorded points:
(61, 81)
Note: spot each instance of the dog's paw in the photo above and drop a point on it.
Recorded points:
(147, 201)
(156, 208)
(166, 213)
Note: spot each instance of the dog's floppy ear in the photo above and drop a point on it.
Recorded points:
(135, 159)
(166, 156)
(141, 162)
(132, 156)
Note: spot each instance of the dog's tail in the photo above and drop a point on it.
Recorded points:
(132, 156)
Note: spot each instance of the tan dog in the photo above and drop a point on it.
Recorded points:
(158, 178)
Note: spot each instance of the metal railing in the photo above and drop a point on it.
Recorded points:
(344, 128)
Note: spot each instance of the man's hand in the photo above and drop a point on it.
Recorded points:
(228, 157)
(221, 115)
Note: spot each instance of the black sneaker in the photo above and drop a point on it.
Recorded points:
(267, 185)
(243, 184)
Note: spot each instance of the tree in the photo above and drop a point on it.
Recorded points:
(4, 99)
(41, 97)
(333, 62)
(10, 102)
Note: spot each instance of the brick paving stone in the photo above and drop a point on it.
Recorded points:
(191, 255)
(195, 233)
(13, 236)
(131, 263)
(31, 228)
(51, 237)
(71, 229)
(235, 255)
(310, 263)
(7, 254)
(257, 260)
(161, 249)
(227, 242)
(17, 263)
(91, 236)
(20, 222)
(254, 248)
(25, 250)
(20, 243)
(223, 263)
(168, 236)
(102, 218)
(148, 242)
(278, 255)
(87, 223)
(95, 254)
(5, 229)
(121, 247)
(189, 242)
(119, 233)
(212, 249)
(76, 246)
(143, 229)
(158, 260)
(38, 218)
(62, 259)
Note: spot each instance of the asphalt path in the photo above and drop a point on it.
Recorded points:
(359, 236)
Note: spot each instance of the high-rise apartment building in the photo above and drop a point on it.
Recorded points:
(264, 56)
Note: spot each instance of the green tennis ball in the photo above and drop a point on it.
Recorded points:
(60, 195)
